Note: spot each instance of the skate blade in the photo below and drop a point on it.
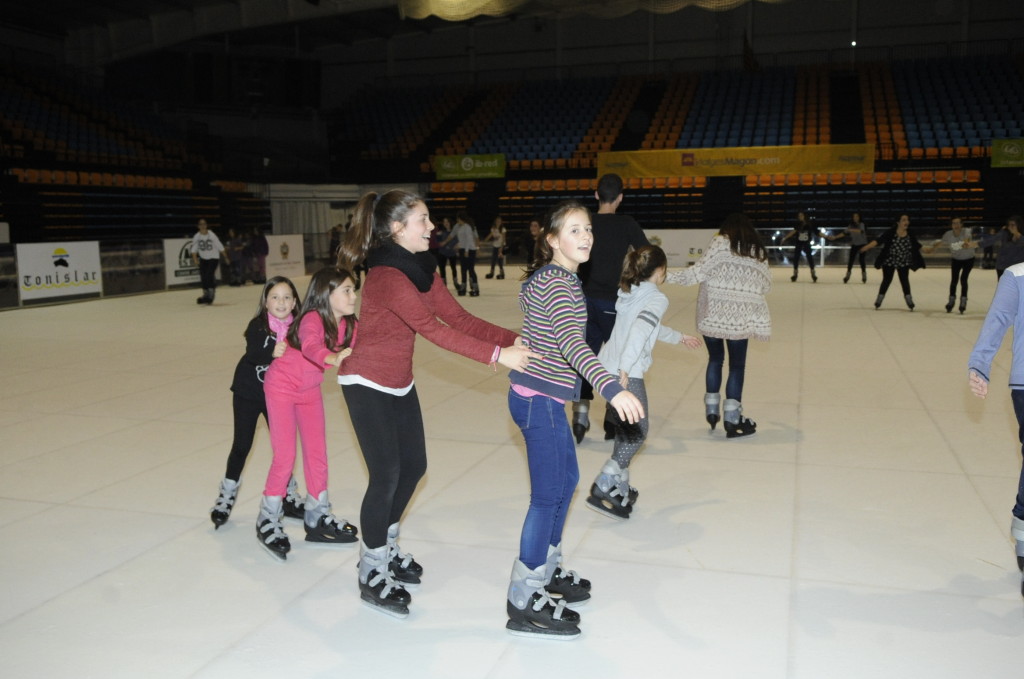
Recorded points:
(278, 557)
(395, 611)
(599, 507)
(526, 630)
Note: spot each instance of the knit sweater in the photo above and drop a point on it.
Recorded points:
(730, 301)
(555, 315)
(393, 312)
(638, 315)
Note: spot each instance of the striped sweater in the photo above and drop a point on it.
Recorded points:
(555, 315)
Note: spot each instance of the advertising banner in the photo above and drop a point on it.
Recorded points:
(751, 160)
(178, 266)
(469, 167)
(683, 247)
(58, 269)
(287, 256)
(1008, 153)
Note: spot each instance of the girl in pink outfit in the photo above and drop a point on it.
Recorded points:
(322, 336)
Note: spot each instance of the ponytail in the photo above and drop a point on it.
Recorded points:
(371, 224)
(640, 264)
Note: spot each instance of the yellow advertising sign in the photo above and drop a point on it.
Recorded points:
(744, 160)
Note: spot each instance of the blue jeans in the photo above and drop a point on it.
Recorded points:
(737, 366)
(1017, 395)
(554, 472)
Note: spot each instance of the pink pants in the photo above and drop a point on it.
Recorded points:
(288, 412)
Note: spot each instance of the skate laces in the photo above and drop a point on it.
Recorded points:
(226, 500)
(403, 558)
(561, 574)
(542, 599)
(272, 530)
(389, 584)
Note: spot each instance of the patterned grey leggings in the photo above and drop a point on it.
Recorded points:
(629, 437)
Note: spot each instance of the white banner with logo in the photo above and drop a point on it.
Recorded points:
(179, 269)
(287, 256)
(58, 269)
(683, 247)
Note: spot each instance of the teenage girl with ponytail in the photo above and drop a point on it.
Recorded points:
(401, 297)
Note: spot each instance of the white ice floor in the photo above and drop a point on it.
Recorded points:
(863, 532)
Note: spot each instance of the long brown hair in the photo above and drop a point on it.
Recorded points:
(640, 264)
(261, 310)
(371, 224)
(318, 301)
(744, 240)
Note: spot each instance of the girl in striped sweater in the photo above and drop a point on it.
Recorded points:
(555, 315)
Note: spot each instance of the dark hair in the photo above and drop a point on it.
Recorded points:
(261, 310)
(371, 224)
(463, 216)
(640, 264)
(743, 238)
(551, 226)
(609, 187)
(321, 285)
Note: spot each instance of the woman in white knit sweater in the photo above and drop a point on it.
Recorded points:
(734, 278)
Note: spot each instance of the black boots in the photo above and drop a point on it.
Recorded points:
(950, 303)
(963, 304)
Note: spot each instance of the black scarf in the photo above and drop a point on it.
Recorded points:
(418, 268)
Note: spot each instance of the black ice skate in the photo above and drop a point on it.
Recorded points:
(269, 529)
(321, 525)
(539, 615)
(403, 567)
(294, 505)
(376, 586)
(735, 424)
(225, 501)
(568, 586)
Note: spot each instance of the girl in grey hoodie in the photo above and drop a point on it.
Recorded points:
(638, 313)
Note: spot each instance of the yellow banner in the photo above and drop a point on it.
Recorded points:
(726, 162)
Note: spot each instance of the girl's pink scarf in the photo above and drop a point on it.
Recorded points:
(279, 327)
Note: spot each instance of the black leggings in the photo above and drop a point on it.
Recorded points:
(804, 247)
(390, 433)
(247, 416)
(961, 268)
(860, 256)
(887, 272)
(442, 260)
(467, 258)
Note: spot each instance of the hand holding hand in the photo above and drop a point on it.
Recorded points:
(624, 379)
(279, 349)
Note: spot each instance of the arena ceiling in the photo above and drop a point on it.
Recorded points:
(95, 32)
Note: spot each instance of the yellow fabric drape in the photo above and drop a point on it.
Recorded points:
(461, 10)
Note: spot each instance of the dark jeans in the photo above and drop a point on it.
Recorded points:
(737, 366)
(1017, 395)
(554, 472)
(208, 273)
(247, 416)
(600, 321)
(498, 259)
(450, 260)
(804, 247)
(389, 429)
(888, 271)
(961, 268)
(467, 258)
(856, 254)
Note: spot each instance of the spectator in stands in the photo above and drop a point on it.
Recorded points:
(901, 253)
(961, 250)
(858, 235)
(207, 251)
(614, 236)
(1011, 245)
(804, 233)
